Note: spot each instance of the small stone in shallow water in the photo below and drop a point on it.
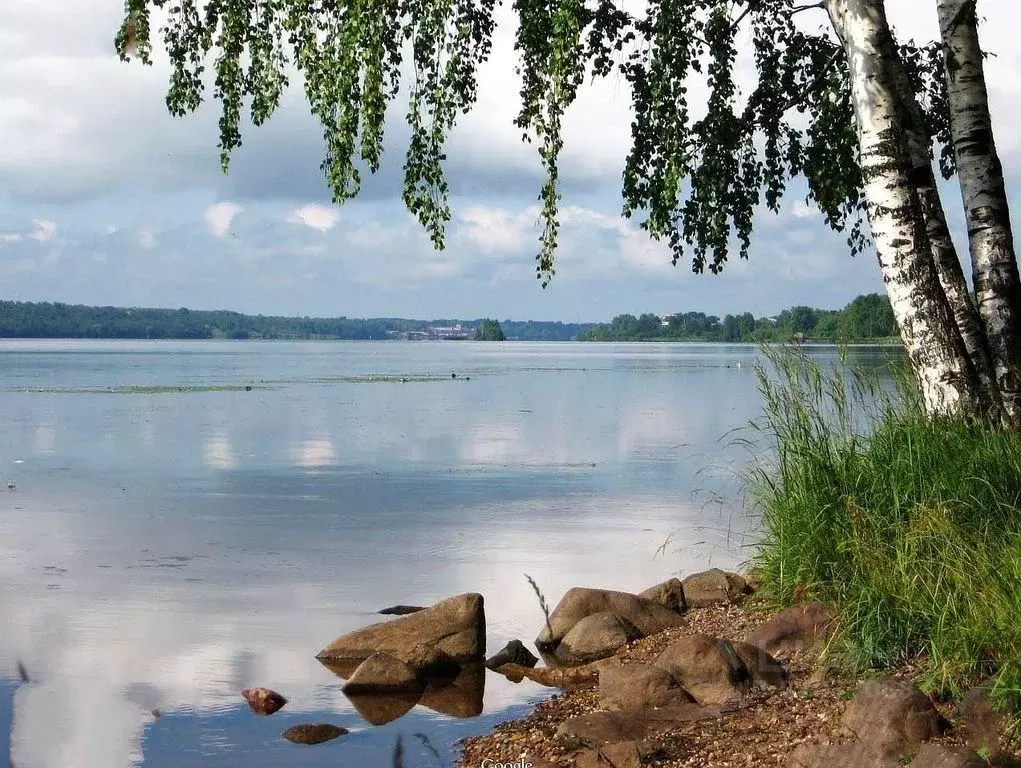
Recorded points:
(313, 733)
(263, 701)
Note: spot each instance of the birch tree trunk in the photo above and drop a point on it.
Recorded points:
(948, 381)
(944, 252)
(994, 266)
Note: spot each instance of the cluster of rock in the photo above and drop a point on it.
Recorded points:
(435, 656)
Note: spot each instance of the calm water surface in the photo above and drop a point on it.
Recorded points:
(173, 538)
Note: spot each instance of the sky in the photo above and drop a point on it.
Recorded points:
(107, 199)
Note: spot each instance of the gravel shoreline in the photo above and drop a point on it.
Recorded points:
(761, 731)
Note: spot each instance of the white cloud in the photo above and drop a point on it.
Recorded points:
(219, 216)
(803, 210)
(44, 230)
(498, 230)
(321, 217)
(147, 238)
(10, 237)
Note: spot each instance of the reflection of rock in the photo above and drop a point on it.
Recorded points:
(514, 652)
(380, 709)
(401, 610)
(460, 697)
(455, 626)
(381, 673)
(313, 733)
(263, 701)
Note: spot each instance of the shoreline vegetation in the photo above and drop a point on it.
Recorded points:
(885, 585)
(865, 319)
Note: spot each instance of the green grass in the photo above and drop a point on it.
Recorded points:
(911, 526)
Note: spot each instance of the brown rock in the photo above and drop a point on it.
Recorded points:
(856, 754)
(624, 754)
(456, 626)
(713, 587)
(639, 686)
(313, 733)
(263, 701)
(669, 594)
(598, 728)
(939, 756)
(892, 715)
(982, 723)
(597, 636)
(514, 652)
(715, 671)
(381, 673)
(798, 628)
(648, 616)
(460, 697)
(567, 678)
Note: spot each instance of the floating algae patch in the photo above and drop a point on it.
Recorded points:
(140, 390)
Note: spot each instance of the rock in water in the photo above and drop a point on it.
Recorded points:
(648, 616)
(313, 733)
(381, 673)
(401, 610)
(455, 626)
(512, 653)
(263, 701)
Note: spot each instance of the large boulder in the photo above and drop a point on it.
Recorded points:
(595, 637)
(715, 671)
(648, 616)
(982, 724)
(669, 594)
(796, 629)
(455, 627)
(514, 652)
(892, 715)
(381, 673)
(714, 587)
(631, 687)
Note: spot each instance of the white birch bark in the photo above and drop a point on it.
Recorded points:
(934, 346)
(994, 266)
(941, 243)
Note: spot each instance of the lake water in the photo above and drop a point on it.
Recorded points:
(173, 537)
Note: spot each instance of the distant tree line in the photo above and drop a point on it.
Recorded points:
(866, 318)
(53, 320)
(490, 330)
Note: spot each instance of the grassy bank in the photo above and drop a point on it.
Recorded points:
(911, 527)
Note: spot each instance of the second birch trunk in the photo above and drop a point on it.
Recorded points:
(994, 266)
(948, 381)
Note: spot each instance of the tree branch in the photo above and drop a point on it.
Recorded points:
(813, 6)
(816, 82)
